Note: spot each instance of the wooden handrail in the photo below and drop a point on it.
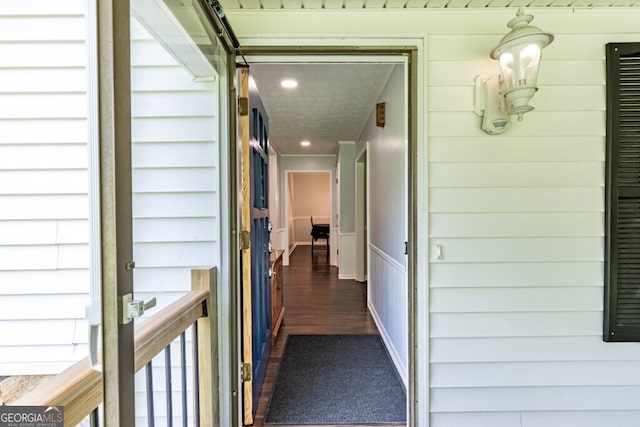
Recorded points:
(79, 387)
(158, 331)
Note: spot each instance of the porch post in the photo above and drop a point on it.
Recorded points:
(116, 211)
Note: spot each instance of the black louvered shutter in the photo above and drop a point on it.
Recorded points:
(622, 272)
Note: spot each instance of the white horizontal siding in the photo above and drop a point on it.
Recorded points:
(170, 279)
(43, 157)
(549, 98)
(28, 106)
(36, 333)
(41, 8)
(535, 374)
(151, 230)
(43, 232)
(517, 295)
(175, 171)
(43, 131)
(172, 129)
(462, 72)
(512, 274)
(174, 180)
(548, 224)
(42, 28)
(525, 249)
(38, 80)
(169, 254)
(24, 282)
(51, 306)
(164, 205)
(43, 257)
(516, 324)
(501, 300)
(176, 188)
(542, 123)
(192, 154)
(169, 104)
(170, 78)
(522, 174)
(44, 254)
(529, 199)
(550, 398)
(30, 207)
(44, 182)
(517, 149)
(526, 349)
(538, 418)
(39, 54)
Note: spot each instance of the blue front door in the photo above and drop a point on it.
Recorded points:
(260, 285)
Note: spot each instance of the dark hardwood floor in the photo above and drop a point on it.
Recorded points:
(316, 302)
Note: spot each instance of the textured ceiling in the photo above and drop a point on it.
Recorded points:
(331, 103)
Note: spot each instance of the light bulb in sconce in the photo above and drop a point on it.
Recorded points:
(518, 54)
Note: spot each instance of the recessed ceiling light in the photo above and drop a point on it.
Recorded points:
(289, 83)
(305, 143)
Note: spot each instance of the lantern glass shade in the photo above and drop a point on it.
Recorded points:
(519, 76)
(520, 68)
(519, 54)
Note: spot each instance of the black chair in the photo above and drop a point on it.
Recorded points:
(319, 231)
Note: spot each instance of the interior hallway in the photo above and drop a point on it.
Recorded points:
(316, 302)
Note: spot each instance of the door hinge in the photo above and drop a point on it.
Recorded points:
(243, 106)
(406, 248)
(246, 372)
(245, 239)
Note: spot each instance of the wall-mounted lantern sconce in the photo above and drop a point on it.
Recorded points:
(500, 96)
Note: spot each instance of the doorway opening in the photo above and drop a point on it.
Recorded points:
(308, 202)
(371, 239)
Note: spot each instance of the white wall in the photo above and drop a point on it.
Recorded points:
(44, 231)
(346, 209)
(347, 184)
(274, 202)
(513, 310)
(311, 197)
(387, 218)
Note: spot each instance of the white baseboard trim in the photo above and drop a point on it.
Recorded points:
(395, 357)
(295, 245)
(346, 276)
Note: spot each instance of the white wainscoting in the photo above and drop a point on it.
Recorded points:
(387, 301)
(347, 256)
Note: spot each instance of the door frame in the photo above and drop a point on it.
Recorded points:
(287, 180)
(418, 387)
(362, 215)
